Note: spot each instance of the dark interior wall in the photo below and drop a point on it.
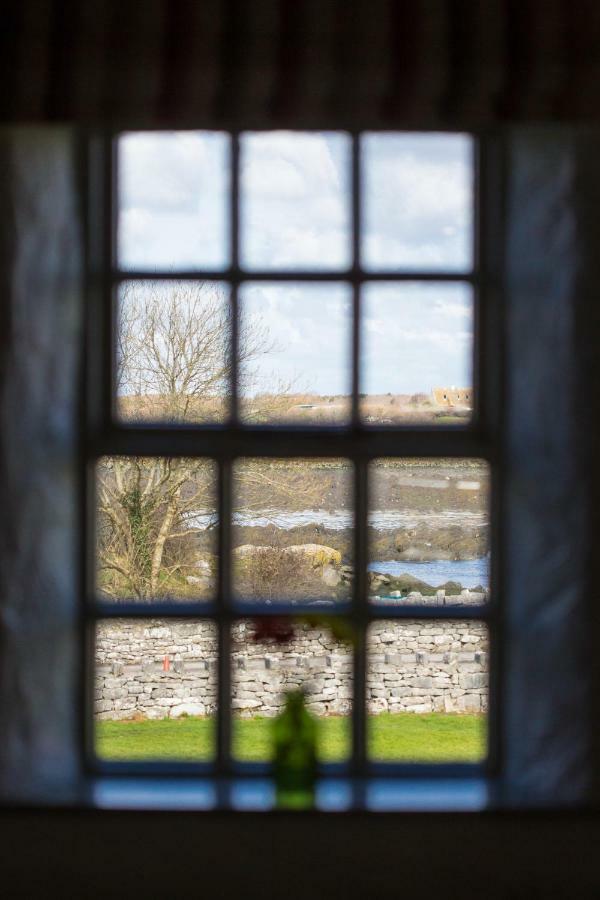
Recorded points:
(320, 63)
(529, 856)
(549, 282)
(40, 314)
(300, 63)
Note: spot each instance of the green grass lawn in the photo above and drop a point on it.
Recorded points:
(435, 737)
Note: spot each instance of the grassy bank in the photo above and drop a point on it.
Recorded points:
(392, 736)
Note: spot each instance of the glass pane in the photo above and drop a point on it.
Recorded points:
(173, 352)
(155, 689)
(292, 530)
(264, 670)
(156, 528)
(427, 691)
(173, 200)
(429, 535)
(295, 205)
(295, 348)
(417, 202)
(417, 354)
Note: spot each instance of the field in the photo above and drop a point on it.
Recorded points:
(298, 408)
(436, 737)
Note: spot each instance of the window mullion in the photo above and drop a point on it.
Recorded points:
(223, 624)
(234, 213)
(360, 619)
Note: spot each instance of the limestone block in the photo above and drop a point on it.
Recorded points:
(440, 639)
(470, 703)
(420, 708)
(247, 695)
(249, 703)
(344, 693)
(187, 709)
(477, 680)
(388, 637)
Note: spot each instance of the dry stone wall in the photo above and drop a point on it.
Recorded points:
(168, 668)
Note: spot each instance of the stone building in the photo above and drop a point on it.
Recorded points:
(453, 396)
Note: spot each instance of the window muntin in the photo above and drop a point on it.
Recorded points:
(358, 442)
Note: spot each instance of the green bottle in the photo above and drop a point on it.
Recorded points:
(295, 754)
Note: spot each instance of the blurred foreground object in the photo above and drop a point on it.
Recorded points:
(281, 629)
(295, 754)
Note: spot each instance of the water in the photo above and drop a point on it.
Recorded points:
(468, 572)
(336, 520)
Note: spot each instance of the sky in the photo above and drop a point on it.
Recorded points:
(295, 214)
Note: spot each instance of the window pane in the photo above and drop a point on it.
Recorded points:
(156, 528)
(427, 691)
(264, 671)
(173, 200)
(155, 689)
(295, 343)
(173, 352)
(429, 537)
(417, 202)
(417, 354)
(295, 205)
(292, 529)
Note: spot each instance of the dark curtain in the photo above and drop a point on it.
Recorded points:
(306, 63)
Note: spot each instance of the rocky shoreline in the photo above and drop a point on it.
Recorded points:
(303, 569)
(421, 543)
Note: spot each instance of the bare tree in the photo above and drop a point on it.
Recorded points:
(144, 509)
(173, 364)
(174, 360)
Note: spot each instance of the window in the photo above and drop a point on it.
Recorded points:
(276, 313)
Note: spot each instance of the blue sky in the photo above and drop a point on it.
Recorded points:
(295, 213)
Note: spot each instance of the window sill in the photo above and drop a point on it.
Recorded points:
(257, 794)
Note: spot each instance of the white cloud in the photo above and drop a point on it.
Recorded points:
(173, 200)
(417, 201)
(416, 336)
(310, 326)
(296, 213)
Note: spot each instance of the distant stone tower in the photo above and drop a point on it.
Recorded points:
(453, 397)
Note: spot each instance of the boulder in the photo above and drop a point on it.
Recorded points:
(331, 576)
(245, 550)
(319, 555)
